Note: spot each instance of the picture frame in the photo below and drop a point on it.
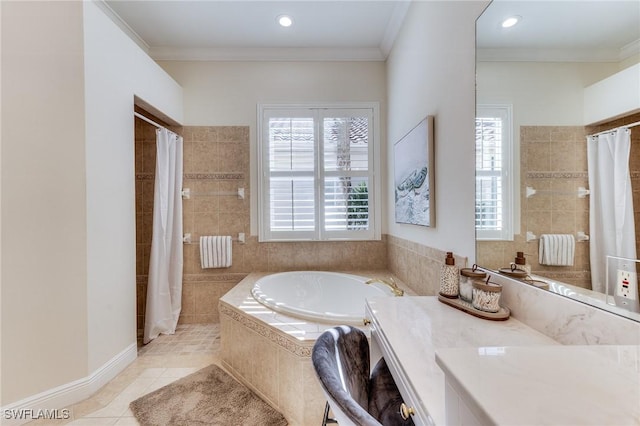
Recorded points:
(414, 176)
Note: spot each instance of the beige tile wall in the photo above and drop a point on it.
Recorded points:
(417, 265)
(554, 162)
(216, 159)
(144, 168)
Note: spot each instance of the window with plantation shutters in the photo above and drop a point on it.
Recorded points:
(493, 173)
(317, 178)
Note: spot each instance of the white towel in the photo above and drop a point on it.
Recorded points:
(556, 249)
(215, 252)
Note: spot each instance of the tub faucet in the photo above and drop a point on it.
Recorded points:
(390, 283)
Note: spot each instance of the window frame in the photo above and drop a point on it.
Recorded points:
(506, 233)
(319, 112)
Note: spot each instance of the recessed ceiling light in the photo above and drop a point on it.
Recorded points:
(511, 21)
(285, 21)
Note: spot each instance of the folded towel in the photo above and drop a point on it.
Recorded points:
(215, 252)
(556, 249)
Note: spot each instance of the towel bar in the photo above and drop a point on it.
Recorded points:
(186, 239)
(580, 236)
(581, 192)
(187, 194)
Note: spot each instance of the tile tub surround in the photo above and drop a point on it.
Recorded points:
(271, 352)
(417, 265)
(565, 320)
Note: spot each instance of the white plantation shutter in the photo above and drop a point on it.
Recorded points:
(317, 180)
(291, 174)
(493, 174)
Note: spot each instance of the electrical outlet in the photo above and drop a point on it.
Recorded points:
(627, 284)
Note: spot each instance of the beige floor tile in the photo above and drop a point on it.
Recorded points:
(159, 363)
(127, 421)
(95, 421)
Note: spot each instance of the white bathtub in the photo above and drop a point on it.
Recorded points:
(327, 297)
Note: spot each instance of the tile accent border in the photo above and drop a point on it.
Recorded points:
(236, 278)
(214, 176)
(265, 331)
(196, 176)
(557, 175)
(145, 176)
(567, 175)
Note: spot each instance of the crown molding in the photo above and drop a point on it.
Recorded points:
(169, 53)
(548, 55)
(266, 54)
(630, 49)
(400, 10)
(102, 4)
(559, 55)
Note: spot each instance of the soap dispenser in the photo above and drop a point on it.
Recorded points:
(449, 277)
(521, 263)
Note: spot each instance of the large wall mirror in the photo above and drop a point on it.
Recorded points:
(532, 183)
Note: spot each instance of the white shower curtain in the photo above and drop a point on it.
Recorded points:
(164, 290)
(611, 219)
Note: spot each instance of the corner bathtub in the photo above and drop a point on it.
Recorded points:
(327, 297)
(270, 352)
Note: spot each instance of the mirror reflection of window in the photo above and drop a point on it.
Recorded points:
(494, 185)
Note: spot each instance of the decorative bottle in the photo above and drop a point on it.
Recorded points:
(449, 277)
(521, 263)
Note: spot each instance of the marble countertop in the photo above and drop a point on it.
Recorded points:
(416, 327)
(564, 385)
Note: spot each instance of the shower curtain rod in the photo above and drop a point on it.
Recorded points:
(142, 117)
(637, 123)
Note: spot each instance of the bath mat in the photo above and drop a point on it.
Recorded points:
(207, 397)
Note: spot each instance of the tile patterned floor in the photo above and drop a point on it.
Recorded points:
(162, 361)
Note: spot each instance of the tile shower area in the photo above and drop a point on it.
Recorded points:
(553, 161)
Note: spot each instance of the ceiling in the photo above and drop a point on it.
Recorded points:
(245, 29)
(587, 30)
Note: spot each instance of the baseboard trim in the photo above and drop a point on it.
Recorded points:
(68, 394)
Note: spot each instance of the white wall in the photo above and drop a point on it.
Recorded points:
(615, 96)
(69, 77)
(431, 72)
(44, 310)
(116, 69)
(542, 93)
(227, 93)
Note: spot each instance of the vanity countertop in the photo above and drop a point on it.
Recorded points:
(411, 329)
(566, 385)
(505, 370)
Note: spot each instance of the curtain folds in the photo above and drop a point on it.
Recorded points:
(164, 289)
(611, 220)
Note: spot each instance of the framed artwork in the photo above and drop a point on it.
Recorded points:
(413, 176)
